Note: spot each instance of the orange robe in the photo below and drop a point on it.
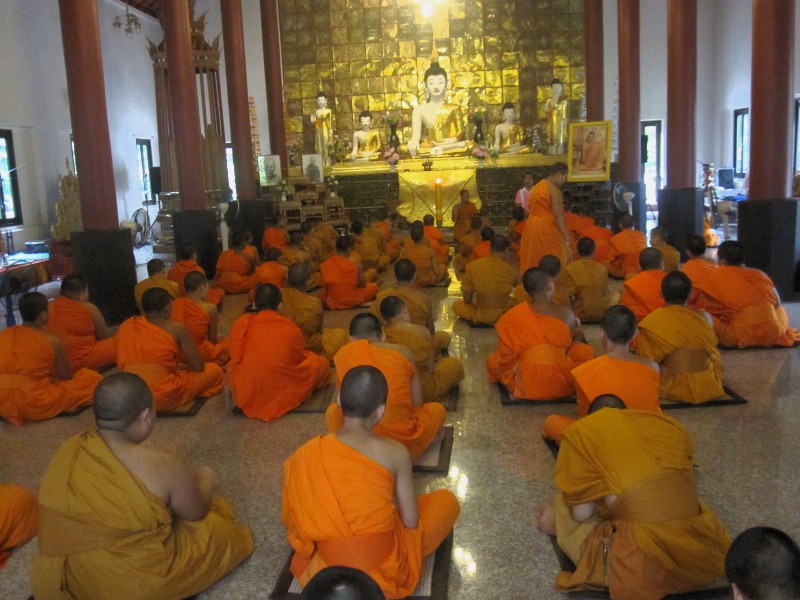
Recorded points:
(157, 281)
(560, 292)
(182, 268)
(466, 244)
(269, 380)
(18, 518)
(632, 382)
(191, 314)
(268, 272)
(359, 526)
(437, 244)
(413, 426)
(463, 225)
(71, 322)
(312, 245)
(623, 253)
(420, 309)
(665, 540)
(369, 250)
(104, 535)
(746, 309)
(327, 235)
(307, 313)
(340, 278)
(642, 293)
(491, 281)
(274, 237)
(577, 224)
(700, 272)
(424, 260)
(685, 345)
(481, 250)
(542, 235)
(585, 281)
(391, 245)
(150, 352)
(602, 241)
(234, 273)
(28, 390)
(535, 354)
(370, 275)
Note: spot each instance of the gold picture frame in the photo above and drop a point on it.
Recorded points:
(589, 157)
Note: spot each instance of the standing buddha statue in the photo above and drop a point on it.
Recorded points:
(322, 118)
(557, 120)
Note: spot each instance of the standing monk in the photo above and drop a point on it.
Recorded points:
(200, 318)
(585, 282)
(80, 327)
(642, 292)
(187, 264)
(545, 229)
(236, 266)
(623, 253)
(18, 518)
(462, 215)
(372, 519)
(429, 270)
(343, 279)
(36, 381)
(156, 278)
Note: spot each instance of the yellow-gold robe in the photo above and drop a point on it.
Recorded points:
(490, 280)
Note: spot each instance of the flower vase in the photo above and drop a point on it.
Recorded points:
(291, 159)
(283, 197)
(481, 163)
(392, 167)
(394, 140)
(478, 137)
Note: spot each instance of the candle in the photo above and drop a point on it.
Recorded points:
(437, 196)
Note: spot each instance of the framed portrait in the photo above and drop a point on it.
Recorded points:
(312, 167)
(269, 169)
(589, 157)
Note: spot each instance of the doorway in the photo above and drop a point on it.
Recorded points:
(144, 155)
(652, 166)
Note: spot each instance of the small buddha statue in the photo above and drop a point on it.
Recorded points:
(508, 135)
(557, 120)
(366, 141)
(443, 123)
(322, 118)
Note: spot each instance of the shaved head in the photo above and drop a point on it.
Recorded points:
(194, 281)
(391, 306)
(119, 399)
(155, 300)
(417, 231)
(299, 274)
(696, 245)
(268, 297)
(365, 326)
(606, 401)
(676, 288)
(499, 244)
(404, 270)
(72, 286)
(619, 324)
(650, 259)
(586, 247)
(535, 280)
(764, 563)
(551, 265)
(155, 266)
(272, 254)
(364, 389)
(487, 234)
(31, 305)
(187, 251)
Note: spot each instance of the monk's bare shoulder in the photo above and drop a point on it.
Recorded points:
(176, 330)
(419, 330)
(397, 348)
(209, 309)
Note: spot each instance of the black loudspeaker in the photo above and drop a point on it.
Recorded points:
(104, 258)
(199, 228)
(644, 149)
(155, 180)
(253, 217)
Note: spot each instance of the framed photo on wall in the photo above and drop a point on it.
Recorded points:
(269, 169)
(312, 167)
(589, 157)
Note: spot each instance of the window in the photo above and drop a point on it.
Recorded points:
(72, 150)
(10, 213)
(231, 170)
(797, 135)
(145, 159)
(741, 141)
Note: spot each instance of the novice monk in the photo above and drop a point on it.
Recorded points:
(763, 562)
(18, 518)
(343, 279)
(327, 237)
(406, 420)
(438, 374)
(163, 354)
(545, 229)
(683, 342)
(188, 264)
(484, 248)
(487, 286)
(585, 282)
(642, 292)
(236, 266)
(659, 237)
(368, 248)
(371, 518)
(624, 249)
(391, 246)
(36, 381)
(745, 305)
(516, 227)
(625, 476)
(274, 235)
(699, 269)
(619, 372)
(552, 266)
(80, 327)
(601, 235)
(467, 243)
(462, 215)
(307, 313)
(370, 275)
(429, 270)
(436, 240)
(157, 278)
(200, 318)
(312, 245)
(535, 350)
(119, 519)
(268, 380)
(294, 253)
(270, 271)
(418, 304)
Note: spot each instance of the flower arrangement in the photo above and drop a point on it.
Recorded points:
(394, 117)
(391, 156)
(332, 183)
(493, 153)
(340, 145)
(285, 188)
(293, 145)
(477, 115)
(480, 151)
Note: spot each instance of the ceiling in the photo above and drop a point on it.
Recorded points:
(150, 7)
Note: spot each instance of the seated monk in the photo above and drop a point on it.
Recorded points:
(516, 227)
(763, 562)
(642, 292)
(200, 318)
(343, 279)
(370, 275)
(294, 253)
(367, 246)
(484, 248)
(373, 521)
(438, 374)
(429, 270)
(683, 342)
(699, 269)
(710, 236)
(307, 312)
(624, 249)
(119, 519)
(552, 266)
(250, 251)
(745, 306)
(157, 278)
(576, 222)
(601, 236)
(36, 381)
(659, 236)
(628, 474)
(269, 271)
(619, 372)
(163, 354)
(18, 518)
(390, 246)
(467, 243)
(80, 327)
(585, 283)
(536, 349)
(236, 266)
(407, 419)
(418, 304)
(435, 240)
(327, 237)
(274, 234)
(487, 286)
(312, 244)
(292, 371)
(188, 263)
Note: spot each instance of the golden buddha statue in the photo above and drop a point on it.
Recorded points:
(557, 120)
(366, 141)
(508, 135)
(322, 118)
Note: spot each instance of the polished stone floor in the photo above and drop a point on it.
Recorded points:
(746, 457)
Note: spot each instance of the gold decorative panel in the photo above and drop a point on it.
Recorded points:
(371, 54)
